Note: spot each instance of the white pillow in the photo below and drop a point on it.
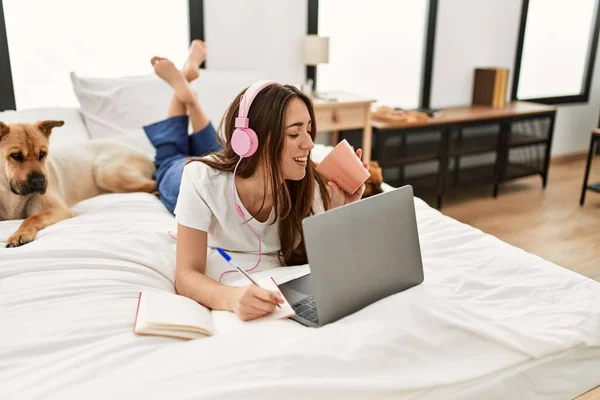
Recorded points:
(73, 131)
(120, 107)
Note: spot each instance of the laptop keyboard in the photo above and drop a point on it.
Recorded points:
(307, 309)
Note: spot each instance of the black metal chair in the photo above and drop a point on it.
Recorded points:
(595, 187)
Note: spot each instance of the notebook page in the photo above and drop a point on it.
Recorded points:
(167, 309)
(226, 321)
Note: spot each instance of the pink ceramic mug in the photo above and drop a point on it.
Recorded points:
(344, 168)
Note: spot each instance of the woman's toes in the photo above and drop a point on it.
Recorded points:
(155, 59)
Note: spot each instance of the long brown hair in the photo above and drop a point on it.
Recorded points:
(292, 200)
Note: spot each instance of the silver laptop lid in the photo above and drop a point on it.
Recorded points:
(362, 252)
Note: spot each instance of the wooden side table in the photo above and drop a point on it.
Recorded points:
(345, 111)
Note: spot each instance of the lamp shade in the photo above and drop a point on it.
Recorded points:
(316, 50)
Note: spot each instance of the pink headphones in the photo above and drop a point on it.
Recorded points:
(244, 142)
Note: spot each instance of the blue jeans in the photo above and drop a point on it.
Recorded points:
(173, 147)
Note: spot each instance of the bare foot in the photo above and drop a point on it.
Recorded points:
(165, 69)
(195, 58)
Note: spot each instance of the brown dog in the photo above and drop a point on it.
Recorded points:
(41, 188)
(373, 184)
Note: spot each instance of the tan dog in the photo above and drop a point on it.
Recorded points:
(41, 188)
(373, 184)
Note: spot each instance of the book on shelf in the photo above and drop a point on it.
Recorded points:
(489, 86)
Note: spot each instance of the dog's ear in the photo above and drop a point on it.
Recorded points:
(3, 129)
(46, 126)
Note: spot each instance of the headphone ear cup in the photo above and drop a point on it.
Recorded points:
(244, 142)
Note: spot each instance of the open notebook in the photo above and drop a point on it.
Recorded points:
(167, 314)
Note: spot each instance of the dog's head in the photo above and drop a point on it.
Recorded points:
(23, 148)
(373, 184)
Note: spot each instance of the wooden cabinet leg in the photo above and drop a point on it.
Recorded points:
(444, 159)
(456, 176)
(502, 154)
(587, 170)
(334, 138)
(548, 145)
(367, 136)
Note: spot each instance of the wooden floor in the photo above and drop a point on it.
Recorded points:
(591, 395)
(549, 223)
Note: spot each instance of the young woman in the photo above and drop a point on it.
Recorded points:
(233, 202)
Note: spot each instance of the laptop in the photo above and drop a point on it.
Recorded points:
(358, 254)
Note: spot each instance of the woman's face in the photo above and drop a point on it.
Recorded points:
(298, 142)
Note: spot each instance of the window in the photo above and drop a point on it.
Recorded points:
(49, 39)
(376, 48)
(556, 51)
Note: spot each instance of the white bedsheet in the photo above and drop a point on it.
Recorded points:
(487, 317)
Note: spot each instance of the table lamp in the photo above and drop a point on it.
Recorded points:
(316, 51)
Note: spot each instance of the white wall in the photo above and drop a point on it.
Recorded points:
(367, 38)
(469, 34)
(257, 35)
(472, 33)
(266, 35)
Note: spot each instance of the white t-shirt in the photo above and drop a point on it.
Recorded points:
(205, 203)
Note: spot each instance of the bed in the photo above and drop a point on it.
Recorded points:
(489, 321)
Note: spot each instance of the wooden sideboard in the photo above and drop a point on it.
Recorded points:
(516, 138)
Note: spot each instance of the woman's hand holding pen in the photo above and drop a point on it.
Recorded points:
(253, 302)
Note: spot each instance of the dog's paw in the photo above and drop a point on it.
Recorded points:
(20, 238)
